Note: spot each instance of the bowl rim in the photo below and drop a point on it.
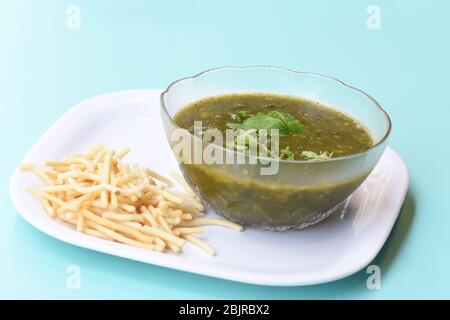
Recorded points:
(306, 73)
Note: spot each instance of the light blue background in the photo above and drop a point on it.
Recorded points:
(46, 68)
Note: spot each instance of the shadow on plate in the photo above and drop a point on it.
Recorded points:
(398, 234)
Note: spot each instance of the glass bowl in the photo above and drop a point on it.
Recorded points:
(300, 193)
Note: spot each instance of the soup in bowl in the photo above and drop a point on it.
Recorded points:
(273, 148)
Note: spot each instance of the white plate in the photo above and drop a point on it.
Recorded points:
(333, 249)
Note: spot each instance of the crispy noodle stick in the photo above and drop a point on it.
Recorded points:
(163, 235)
(186, 187)
(123, 180)
(80, 223)
(186, 216)
(188, 230)
(200, 243)
(127, 207)
(93, 151)
(164, 224)
(114, 202)
(124, 217)
(99, 157)
(63, 218)
(120, 238)
(173, 221)
(157, 176)
(122, 153)
(106, 177)
(80, 189)
(212, 222)
(46, 196)
(138, 235)
(81, 175)
(176, 202)
(116, 226)
(70, 161)
(149, 217)
(77, 203)
(194, 202)
(48, 208)
(137, 171)
(132, 224)
(96, 233)
(44, 175)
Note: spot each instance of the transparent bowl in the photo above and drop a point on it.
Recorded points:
(301, 193)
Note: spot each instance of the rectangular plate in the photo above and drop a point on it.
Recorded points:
(338, 247)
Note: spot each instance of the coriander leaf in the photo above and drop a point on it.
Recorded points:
(286, 154)
(291, 124)
(261, 121)
(311, 155)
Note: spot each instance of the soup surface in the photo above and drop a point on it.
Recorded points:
(324, 130)
(299, 194)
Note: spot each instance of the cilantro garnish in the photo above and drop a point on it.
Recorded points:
(281, 121)
(286, 154)
(311, 155)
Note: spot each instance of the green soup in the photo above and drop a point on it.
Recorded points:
(313, 132)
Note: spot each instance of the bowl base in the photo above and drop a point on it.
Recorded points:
(311, 219)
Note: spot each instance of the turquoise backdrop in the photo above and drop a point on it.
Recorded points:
(47, 65)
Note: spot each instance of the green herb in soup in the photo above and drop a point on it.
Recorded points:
(299, 194)
(283, 122)
(305, 127)
(311, 155)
